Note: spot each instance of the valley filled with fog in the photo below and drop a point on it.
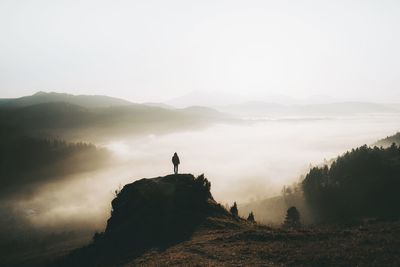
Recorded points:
(64, 158)
(285, 116)
(244, 161)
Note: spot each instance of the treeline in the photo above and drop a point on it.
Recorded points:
(72, 121)
(25, 160)
(362, 183)
(389, 140)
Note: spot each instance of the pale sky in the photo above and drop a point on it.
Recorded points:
(153, 50)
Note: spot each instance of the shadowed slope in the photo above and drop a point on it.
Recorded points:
(150, 213)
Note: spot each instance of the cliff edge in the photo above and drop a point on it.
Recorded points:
(151, 213)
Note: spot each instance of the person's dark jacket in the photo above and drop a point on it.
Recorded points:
(175, 159)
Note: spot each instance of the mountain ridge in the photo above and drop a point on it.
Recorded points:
(71, 121)
(88, 101)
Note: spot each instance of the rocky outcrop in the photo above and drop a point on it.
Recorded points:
(160, 210)
(150, 213)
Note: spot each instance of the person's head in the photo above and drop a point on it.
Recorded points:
(175, 154)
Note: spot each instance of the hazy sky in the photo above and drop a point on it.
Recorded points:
(154, 50)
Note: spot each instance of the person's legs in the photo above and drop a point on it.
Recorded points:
(175, 169)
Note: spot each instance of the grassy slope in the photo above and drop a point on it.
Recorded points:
(375, 244)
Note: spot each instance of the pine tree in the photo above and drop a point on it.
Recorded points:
(292, 218)
(250, 218)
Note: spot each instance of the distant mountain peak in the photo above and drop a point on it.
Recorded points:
(39, 93)
(87, 101)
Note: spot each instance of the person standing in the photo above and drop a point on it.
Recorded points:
(176, 162)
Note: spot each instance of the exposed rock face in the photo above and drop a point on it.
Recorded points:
(160, 210)
(148, 213)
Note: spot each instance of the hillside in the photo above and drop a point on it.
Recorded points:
(27, 166)
(389, 140)
(362, 183)
(27, 162)
(148, 213)
(272, 210)
(259, 108)
(174, 221)
(375, 244)
(74, 122)
(87, 101)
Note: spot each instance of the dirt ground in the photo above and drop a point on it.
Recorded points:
(376, 244)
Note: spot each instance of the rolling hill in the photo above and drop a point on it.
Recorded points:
(389, 140)
(260, 108)
(96, 117)
(88, 101)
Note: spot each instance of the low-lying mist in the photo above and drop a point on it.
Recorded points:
(244, 162)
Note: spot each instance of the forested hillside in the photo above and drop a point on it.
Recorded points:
(388, 141)
(362, 183)
(26, 161)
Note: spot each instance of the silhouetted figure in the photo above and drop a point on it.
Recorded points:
(234, 210)
(176, 162)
